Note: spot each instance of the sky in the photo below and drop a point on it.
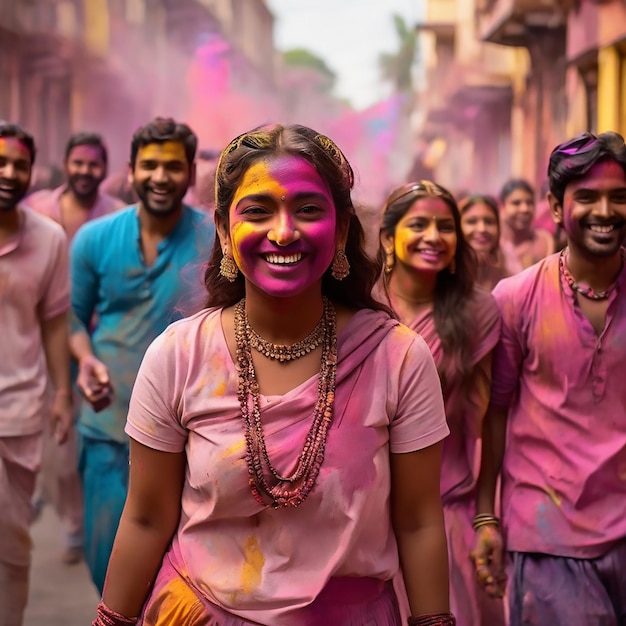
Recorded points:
(348, 34)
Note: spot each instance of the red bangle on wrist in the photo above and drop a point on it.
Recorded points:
(108, 617)
(433, 619)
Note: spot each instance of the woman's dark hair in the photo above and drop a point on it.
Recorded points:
(452, 290)
(489, 201)
(513, 185)
(243, 152)
(573, 159)
(86, 139)
(160, 130)
(15, 131)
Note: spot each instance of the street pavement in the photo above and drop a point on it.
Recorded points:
(60, 595)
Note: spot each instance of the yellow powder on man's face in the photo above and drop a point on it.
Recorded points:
(162, 152)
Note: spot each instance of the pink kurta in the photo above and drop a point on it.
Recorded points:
(34, 286)
(48, 202)
(564, 473)
(267, 565)
(466, 403)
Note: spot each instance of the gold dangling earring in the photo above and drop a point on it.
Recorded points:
(340, 267)
(390, 261)
(228, 267)
(452, 266)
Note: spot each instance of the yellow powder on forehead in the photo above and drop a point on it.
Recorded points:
(166, 151)
(6, 142)
(258, 180)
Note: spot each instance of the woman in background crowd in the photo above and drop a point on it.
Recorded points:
(429, 282)
(480, 222)
(522, 244)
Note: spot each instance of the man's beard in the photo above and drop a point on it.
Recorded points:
(9, 203)
(165, 211)
(92, 189)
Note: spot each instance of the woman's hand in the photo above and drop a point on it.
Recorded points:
(487, 555)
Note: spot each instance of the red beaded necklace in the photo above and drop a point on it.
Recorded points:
(268, 486)
(583, 290)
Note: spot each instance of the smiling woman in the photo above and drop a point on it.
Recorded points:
(480, 222)
(275, 435)
(429, 283)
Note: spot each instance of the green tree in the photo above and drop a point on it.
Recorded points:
(299, 57)
(397, 67)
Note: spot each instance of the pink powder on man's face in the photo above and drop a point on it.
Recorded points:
(597, 199)
(283, 226)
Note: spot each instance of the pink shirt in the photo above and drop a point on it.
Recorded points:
(256, 562)
(465, 400)
(34, 285)
(564, 473)
(48, 203)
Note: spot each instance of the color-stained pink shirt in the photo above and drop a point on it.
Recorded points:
(564, 473)
(465, 398)
(48, 202)
(34, 285)
(256, 562)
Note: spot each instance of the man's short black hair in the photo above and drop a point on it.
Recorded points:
(160, 130)
(573, 159)
(8, 129)
(87, 139)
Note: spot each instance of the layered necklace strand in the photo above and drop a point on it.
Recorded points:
(585, 291)
(284, 353)
(285, 491)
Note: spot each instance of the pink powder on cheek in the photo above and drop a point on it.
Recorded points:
(317, 243)
(278, 178)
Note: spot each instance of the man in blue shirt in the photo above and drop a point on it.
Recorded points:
(133, 273)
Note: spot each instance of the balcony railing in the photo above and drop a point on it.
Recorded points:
(506, 21)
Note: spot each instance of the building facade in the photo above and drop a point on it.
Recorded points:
(471, 99)
(507, 80)
(108, 66)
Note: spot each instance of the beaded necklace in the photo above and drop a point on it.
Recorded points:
(285, 491)
(284, 353)
(585, 291)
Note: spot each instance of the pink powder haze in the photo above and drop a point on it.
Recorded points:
(218, 112)
(220, 95)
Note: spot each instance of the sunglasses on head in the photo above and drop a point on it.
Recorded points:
(582, 143)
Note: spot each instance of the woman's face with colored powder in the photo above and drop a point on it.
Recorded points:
(425, 238)
(480, 227)
(283, 226)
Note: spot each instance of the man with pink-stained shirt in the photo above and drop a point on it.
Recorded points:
(34, 367)
(80, 199)
(556, 424)
(72, 205)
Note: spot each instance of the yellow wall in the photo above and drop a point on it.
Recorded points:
(96, 25)
(622, 103)
(610, 74)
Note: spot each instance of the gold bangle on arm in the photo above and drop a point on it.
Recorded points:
(485, 519)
